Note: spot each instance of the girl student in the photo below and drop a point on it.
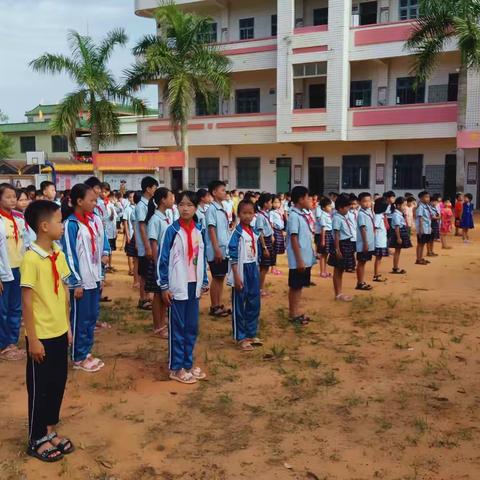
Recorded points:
(157, 222)
(446, 224)
(10, 293)
(130, 247)
(277, 219)
(435, 216)
(323, 234)
(243, 253)
(466, 222)
(400, 237)
(85, 252)
(182, 269)
(381, 230)
(458, 212)
(264, 226)
(204, 200)
(343, 256)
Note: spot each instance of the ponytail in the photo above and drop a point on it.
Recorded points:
(154, 202)
(152, 206)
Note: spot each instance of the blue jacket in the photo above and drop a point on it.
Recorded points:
(237, 253)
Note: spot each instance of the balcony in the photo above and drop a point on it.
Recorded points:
(145, 8)
(249, 55)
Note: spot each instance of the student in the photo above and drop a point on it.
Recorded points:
(130, 248)
(19, 213)
(110, 221)
(365, 238)
(458, 212)
(10, 298)
(323, 234)
(333, 198)
(31, 192)
(343, 256)
(277, 220)
(216, 240)
(45, 312)
(228, 206)
(352, 218)
(446, 225)
(243, 252)
(390, 198)
(83, 248)
(400, 238)
(49, 191)
(434, 206)
(264, 226)
(300, 254)
(466, 223)
(236, 200)
(381, 242)
(183, 278)
(157, 223)
(409, 214)
(145, 256)
(423, 219)
(96, 185)
(204, 200)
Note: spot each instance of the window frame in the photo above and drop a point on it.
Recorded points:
(408, 92)
(273, 25)
(405, 12)
(363, 91)
(246, 32)
(401, 183)
(253, 183)
(201, 109)
(357, 174)
(212, 35)
(25, 149)
(247, 101)
(452, 95)
(209, 177)
(320, 12)
(64, 144)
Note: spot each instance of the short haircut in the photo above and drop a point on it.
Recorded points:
(192, 196)
(93, 182)
(212, 186)
(423, 193)
(343, 201)
(364, 195)
(148, 182)
(6, 186)
(380, 205)
(299, 192)
(353, 197)
(38, 212)
(469, 196)
(325, 202)
(389, 194)
(436, 197)
(458, 195)
(31, 188)
(45, 184)
(105, 186)
(201, 193)
(243, 204)
(410, 199)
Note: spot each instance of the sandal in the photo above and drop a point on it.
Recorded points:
(218, 312)
(161, 332)
(198, 373)
(397, 271)
(105, 299)
(300, 320)
(363, 286)
(422, 262)
(88, 365)
(144, 305)
(96, 360)
(182, 376)
(256, 342)
(49, 455)
(379, 278)
(62, 444)
(343, 298)
(12, 354)
(245, 345)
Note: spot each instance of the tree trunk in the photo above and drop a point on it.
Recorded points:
(461, 125)
(95, 144)
(184, 146)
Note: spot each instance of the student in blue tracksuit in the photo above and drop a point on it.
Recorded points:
(84, 249)
(183, 278)
(243, 252)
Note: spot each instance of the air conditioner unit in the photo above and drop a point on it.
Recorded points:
(36, 158)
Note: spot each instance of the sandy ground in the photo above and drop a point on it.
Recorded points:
(384, 388)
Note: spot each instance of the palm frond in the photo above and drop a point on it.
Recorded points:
(113, 38)
(53, 64)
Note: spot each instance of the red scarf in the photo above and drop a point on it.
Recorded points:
(188, 230)
(387, 225)
(9, 216)
(252, 236)
(85, 221)
(56, 277)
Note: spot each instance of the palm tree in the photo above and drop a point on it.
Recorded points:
(180, 58)
(440, 22)
(98, 94)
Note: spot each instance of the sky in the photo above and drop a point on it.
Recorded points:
(29, 28)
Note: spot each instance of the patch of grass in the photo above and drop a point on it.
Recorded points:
(277, 352)
(352, 400)
(351, 358)
(391, 301)
(313, 363)
(457, 338)
(329, 379)
(420, 425)
(383, 424)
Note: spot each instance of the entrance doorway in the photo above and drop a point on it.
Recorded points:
(284, 175)
(177, 179)
(315, 175)
(450, 180)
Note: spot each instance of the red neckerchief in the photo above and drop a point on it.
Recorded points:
(9, 216)
(56, 276)
(85, 220)
(188, 230)
(249, 230)
(385, 222)
(306, 217)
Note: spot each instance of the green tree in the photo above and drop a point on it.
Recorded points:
(185, 64)
(441, 22)
(6, 143)
(98, 94)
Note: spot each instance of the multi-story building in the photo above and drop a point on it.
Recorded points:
(323, 95)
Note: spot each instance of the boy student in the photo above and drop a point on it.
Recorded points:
(144, 250)
(423, 225)
(45, 312)
(365, 238)
(49, 192)
(110, 220)
(218, 234)
(300, 253)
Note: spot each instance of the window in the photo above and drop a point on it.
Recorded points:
(407, 172)
(368, 13)
(273, 26)
(247, 28)
(356, 171)
(208, 171)
(360, 93)
(408, 9)
(248, 173)
(320, 16)
(201, 107)
(302, 70)
(27, 144)
(59, 143)
(452, 87)
(210, 34)
(408, 92)
(247, 101)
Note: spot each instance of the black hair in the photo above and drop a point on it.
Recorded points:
(38, 193)
(21, 191)
(148, 182)
(38, 212)
(263, 199)
(408, 194)
(6, 186)
(248, 196)
(325, 202)
(380, 205)
(458, 195)
(411, 199)
(192, 196)
(128, 193)
(137, 197)
(389, 194)
(469, 196)
(363, 195)
(435, 197)
(398, 201)
(343, 200)
(93, 182)
(353, 197)
(332, 194)
(298, 192)
(78, 192)
(45, 184)
(244, 203)
(202, 193)
(105, 186)
(158, 196)
(212, 186)
(31, 188)
(423, 193)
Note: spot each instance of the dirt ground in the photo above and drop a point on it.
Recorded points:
(383, 388)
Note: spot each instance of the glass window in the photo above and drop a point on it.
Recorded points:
(368, 13)
(27, 144)
(320, 16)
(407, 172)
(247, 28)
(360, 93)
(408, 9)
(208, 171)
(273, 32)
(210, 34)
(408, 92)
(201, 107)
(356, 171)
(309, 69)
(59, 143)
(248, 173)
(452, 87)
(247, 101)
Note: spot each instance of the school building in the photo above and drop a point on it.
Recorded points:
(323, 95)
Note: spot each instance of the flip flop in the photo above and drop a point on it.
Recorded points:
(161, 332)
(182, 376)
(397, 271)
(343, 298)
(245, 346)
(198, 373)
(88, 365)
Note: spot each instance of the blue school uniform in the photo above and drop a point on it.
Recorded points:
(381, 237)
(398, 220)
(467, 216)
(298, 224)
(423, 219)
(264, 226)
(243, 251)
(341, 225)
(366, 221)
(278, 223)
(217, 217)
(201, 214)
(141, 211)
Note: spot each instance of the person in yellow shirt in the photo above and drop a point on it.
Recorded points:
(46, 313)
